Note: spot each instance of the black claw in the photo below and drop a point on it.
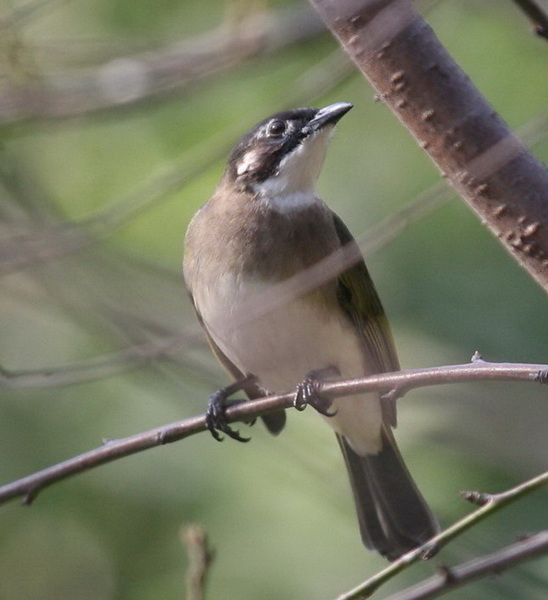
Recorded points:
(216, 419)
(301, 398)
(308, 393)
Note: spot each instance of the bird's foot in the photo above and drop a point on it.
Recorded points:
(308, 392)
(216, 411)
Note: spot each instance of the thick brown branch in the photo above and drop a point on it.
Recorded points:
(472, 146)
(400, 382)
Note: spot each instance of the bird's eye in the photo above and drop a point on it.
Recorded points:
(276, 128)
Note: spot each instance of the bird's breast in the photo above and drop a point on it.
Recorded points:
(280, 342)
(240, 254)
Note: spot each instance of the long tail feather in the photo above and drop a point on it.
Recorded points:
(393, 516)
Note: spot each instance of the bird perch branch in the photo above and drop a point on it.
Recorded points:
(393, 384)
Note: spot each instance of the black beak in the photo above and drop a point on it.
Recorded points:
(329, 115)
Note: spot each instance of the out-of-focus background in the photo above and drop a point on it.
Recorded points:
(116, 117)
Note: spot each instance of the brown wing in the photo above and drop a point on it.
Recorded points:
(358, 297)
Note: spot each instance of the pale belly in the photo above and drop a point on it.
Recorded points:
(282, 346)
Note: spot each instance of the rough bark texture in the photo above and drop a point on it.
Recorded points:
(473, 147)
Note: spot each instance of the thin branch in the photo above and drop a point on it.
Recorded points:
(133, 78)
(18, 16)
(536, 15)
(395, 384)
(200, 557)
(495, 563)
(494, 503)
(105, 365)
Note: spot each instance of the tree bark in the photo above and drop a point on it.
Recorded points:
(472, 146)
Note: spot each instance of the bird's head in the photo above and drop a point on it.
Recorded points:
(281, 157)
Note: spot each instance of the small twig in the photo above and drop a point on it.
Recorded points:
(135, 78)
(22, 14)
(200, 557)
(450, 578)
(105, 365)
(495, 503)
(400, 381)
(483, 499)
(536, 15)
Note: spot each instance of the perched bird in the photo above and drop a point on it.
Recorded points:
(263, 225)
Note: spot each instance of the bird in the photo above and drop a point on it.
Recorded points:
(263, 225)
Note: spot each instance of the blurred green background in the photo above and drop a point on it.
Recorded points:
(93, 209)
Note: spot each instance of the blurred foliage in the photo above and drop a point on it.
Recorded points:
(81, 284)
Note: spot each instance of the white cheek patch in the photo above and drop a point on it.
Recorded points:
(249, 162)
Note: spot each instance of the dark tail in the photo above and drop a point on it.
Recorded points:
(393, 516)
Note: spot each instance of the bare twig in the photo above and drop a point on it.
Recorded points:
(472, 146)
(495, 503)
(21, 14)
(536, 15)
(495, 563)
(28, 10)
(134, 78)
(200, 557)
(395, 384)
(105, 365)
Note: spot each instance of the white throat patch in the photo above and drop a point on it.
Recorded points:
(293, 186)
